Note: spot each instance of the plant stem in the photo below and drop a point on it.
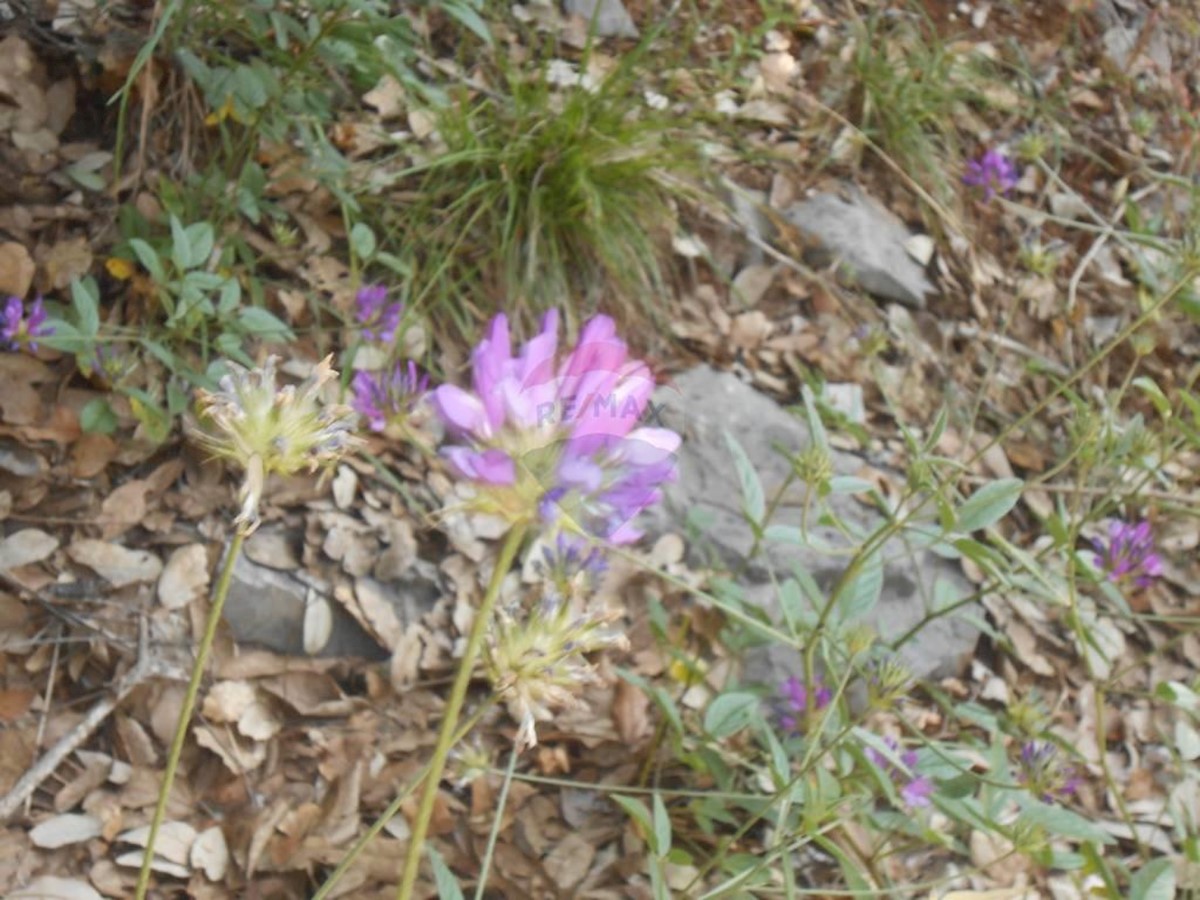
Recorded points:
(458, 692)
(386, 816)
(497, 823)
(189, 704)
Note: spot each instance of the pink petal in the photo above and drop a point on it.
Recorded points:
(460, 410)
(490, 466)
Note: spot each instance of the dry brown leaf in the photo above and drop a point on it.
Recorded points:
(387, 97)
(91, 454)
(27, 546)
(66, 261)
(119, 565)
(14, 703)
(16, 269)
(64, 830)
(210, 853)
(752, 283)
(123, 508)
(568, 863)
(631, 713)
(185, 577)
(173, 842)
(51, 887)
(240, 755)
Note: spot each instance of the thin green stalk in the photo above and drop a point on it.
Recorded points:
(394, 807)
(497, 822)
(458, 692)
(189, 705)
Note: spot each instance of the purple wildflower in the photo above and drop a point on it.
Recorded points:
(568, 565)
(556, 440)
(994, 172)
(915, 790)
(379, 318)
(19, 330)
(381, 395)
(1044, 772)
(795, 698)
(1129, 554)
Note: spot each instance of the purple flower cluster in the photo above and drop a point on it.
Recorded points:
(379, 319)
(382, 395)
(994, 172)
(387, 395)
(559, 440)
(1045, 773)
(915, 790)
(794, 694)
(1129, 554)
(20, 330)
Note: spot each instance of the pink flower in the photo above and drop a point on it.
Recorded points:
(18, 330)
(382, 396)
(994, 172)
(915, 790)
(379, 319)
(1129, 553)
(795, 699)
(559, 438)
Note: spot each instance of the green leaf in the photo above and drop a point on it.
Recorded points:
(149, 259)
(861, 593)
(753, 501)
(638, 812)
(1064, 823)
(466, 15)
(662, 827)
(1154, 881)
(97, 417)
(200, 240)
(730, 713)
(181, 247)
(231, 296)
(86, 178)
(1150, 388)
(362, 240)
(263, 323)
(447, 884)
(85, 299)
(989, 504)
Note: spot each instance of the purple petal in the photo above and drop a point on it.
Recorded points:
(917, 792)
(462, 412)
(491, 466)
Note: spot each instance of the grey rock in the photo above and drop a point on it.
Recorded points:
(266, 607)
(867, 240)
(701, 404)
(610, 17)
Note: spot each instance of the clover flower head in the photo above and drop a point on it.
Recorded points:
(1045, 773)
(915, 790)
(537, 661)
(384, 395)
(994, 172)
(19, 330)
(558, 441)
(379, 319)
(570, 566)
(794, 695)
(267, 430)
(1129, 554)
(887, 681)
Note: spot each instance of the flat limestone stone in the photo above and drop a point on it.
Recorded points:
(701, 404)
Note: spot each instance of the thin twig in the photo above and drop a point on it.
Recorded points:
(147, 666)
(974, 332)
(47, 702)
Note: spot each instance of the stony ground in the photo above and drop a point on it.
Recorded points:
(327, 683)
